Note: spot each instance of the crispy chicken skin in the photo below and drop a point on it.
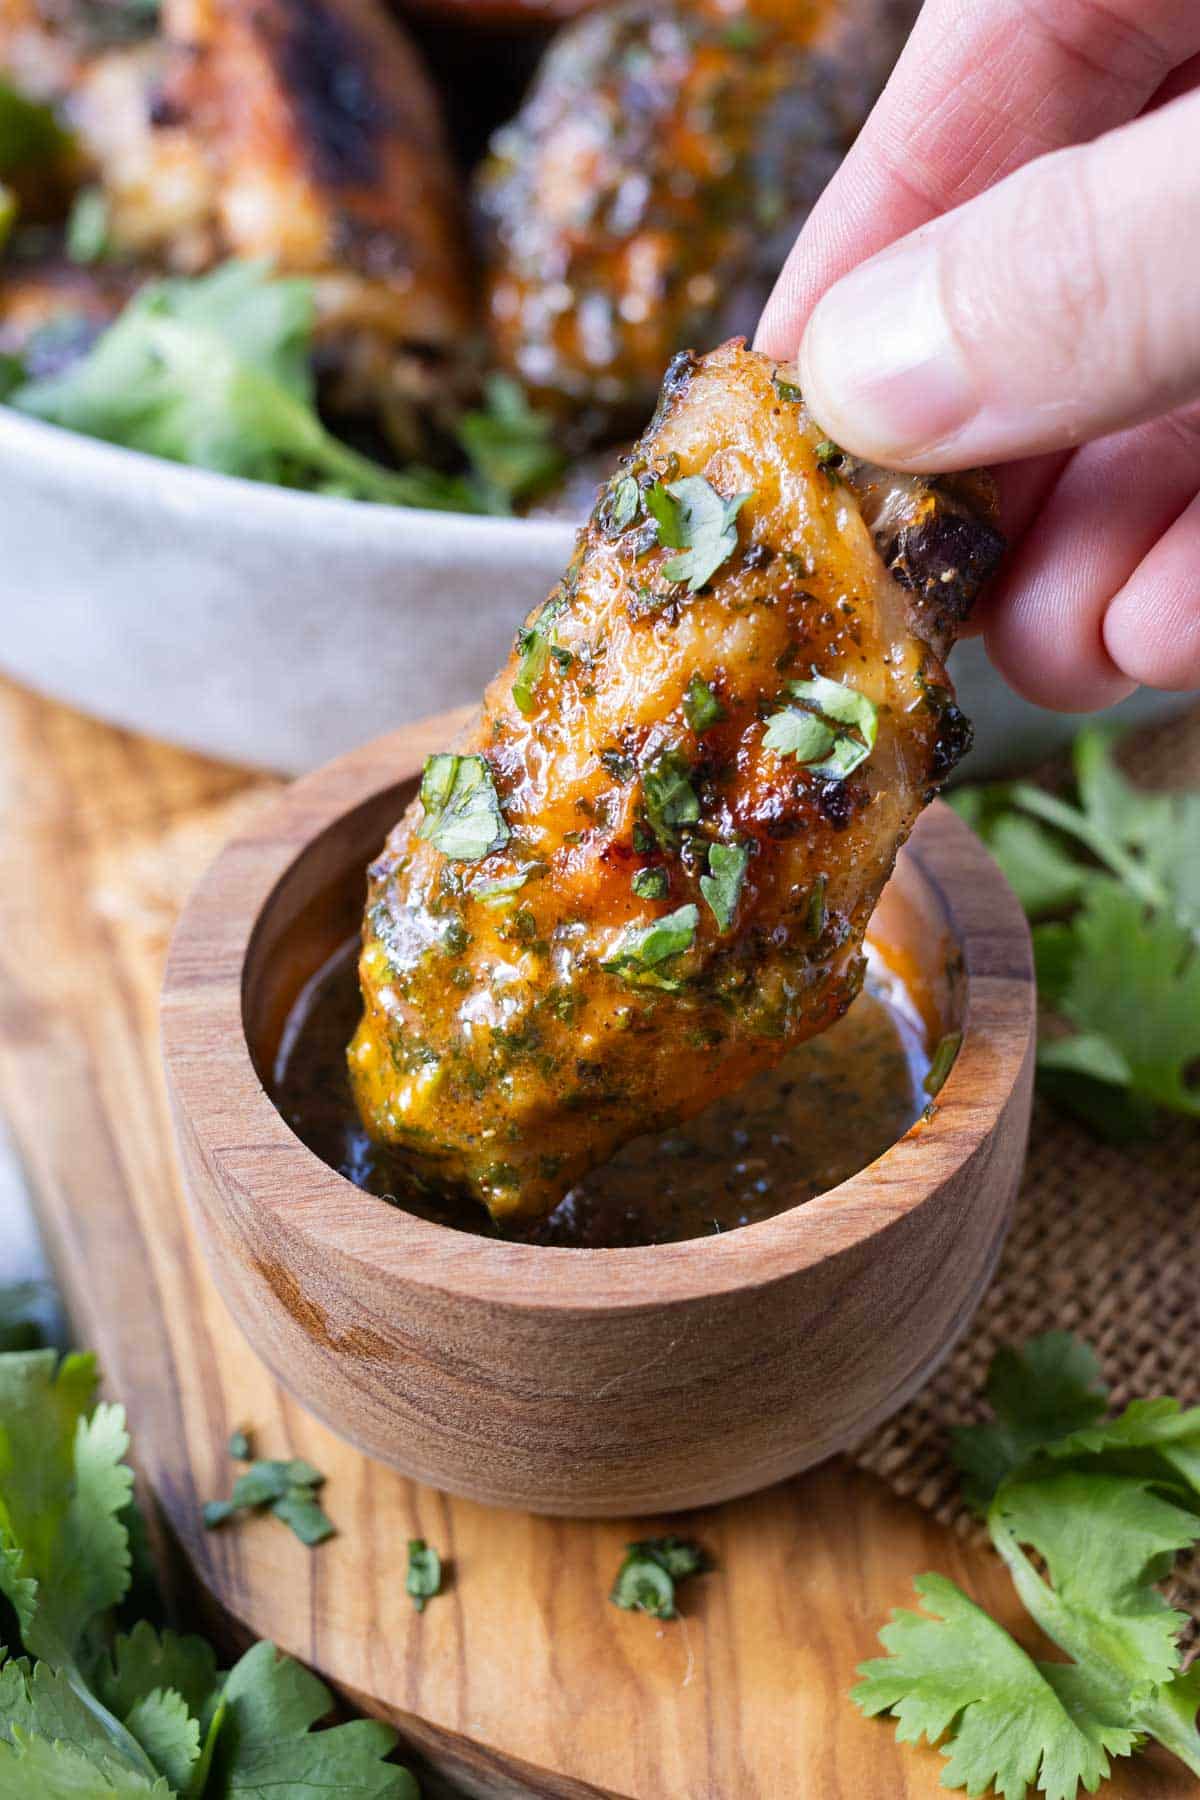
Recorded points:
(648, 191)
(302, 132)
(519, 1024)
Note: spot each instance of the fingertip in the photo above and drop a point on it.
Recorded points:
(1151, 628)
(1058, 664)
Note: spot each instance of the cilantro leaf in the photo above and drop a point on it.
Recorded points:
(1043, 1391)
(30, 134)
(670, 799)
(35, 1768)
(1103, 1505)
(1132, 991)
(650, 884)
(960, 1672)
(1123, 967)
(214, 370)
(51, 1731)
(646, 1579)
(509, 445)
(810, 732)
(639, 951)
(463, 818)
(64, 1553)
(267, 1744)
(287, 1488)
(697, 521)
(144, 1661)
(722, 886)
(701, 708)
(423, 1578)
(534, 643)
(168, 1733)
(620, 507)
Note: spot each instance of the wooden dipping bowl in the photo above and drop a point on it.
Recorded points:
(584, 1382)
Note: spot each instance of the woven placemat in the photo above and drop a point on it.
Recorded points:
(1105, 1242)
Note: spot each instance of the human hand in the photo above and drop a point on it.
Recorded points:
(1021, 214)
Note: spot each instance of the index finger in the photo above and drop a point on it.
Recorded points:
(982, 87)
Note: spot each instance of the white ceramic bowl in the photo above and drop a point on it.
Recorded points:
(279, 629)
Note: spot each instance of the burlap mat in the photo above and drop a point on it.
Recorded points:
(1105, 1242)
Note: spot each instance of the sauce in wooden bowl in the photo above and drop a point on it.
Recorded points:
(828, 1109)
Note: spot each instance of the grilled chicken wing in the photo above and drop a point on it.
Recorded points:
(650, 187)
(303, 132)
(647, 869)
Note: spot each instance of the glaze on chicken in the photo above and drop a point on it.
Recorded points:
(651, 185)
(647, 868)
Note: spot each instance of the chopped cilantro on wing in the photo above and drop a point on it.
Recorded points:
(639, 952)
(463, 818)
(701, 708)
(669, 797)
(722, 886)
(700, 523)
(831, 730)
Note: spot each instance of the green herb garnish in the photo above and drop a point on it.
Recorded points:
(1104, 1508)
(621, 506)
(216, 371)
(534, 643)
(424, 1577)
(510, 446)
(694, 519)
(637, 955)
(30, 134)
(622, 767)
(501, 889)
(86, 238)
(1111, 880)
(462, 809)
(832, 731)
(942, 1061)
(722, 885)
(239, 1446)
(647, 1577)
(91, 1712)
(829, 455)
(815, 911)
(286, 1489)
(701, 708)
(650, 884)
(669, 797)
(787, 390)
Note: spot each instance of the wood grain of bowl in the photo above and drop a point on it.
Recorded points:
(572, 1381)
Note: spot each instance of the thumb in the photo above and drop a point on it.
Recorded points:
(1059, 305)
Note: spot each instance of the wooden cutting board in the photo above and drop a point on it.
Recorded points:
(522, 1679)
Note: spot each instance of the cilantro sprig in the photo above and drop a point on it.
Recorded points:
(1110, 878)
(89, 1712)
(285, 1488)
(1088, 1514)
(215, 370)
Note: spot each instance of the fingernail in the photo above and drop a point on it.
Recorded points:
(878, 364)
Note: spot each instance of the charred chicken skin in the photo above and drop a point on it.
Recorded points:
(301, 132)
(650, 187)
(647, 868)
